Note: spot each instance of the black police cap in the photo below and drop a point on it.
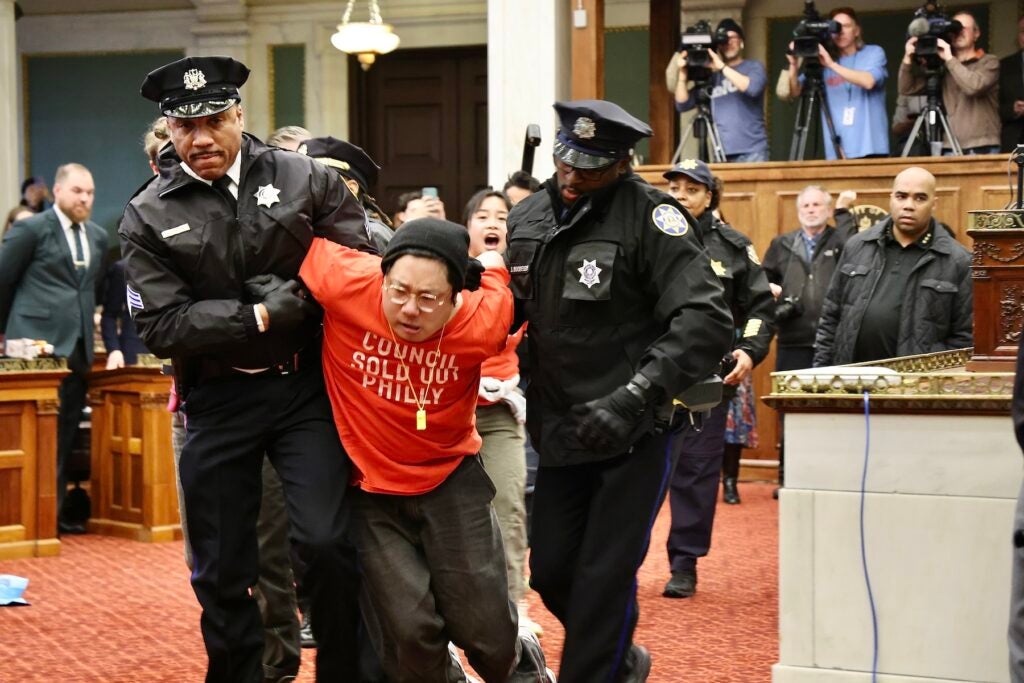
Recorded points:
(694, 169)
(196, 86)
(596, 133)
(350, 160)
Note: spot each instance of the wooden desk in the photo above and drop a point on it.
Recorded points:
(28, 457)
(760, 200)
(133, 487)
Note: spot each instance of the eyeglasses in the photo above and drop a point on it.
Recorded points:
(426, 302)
(582, 173)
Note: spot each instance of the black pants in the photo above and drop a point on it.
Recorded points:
(693, 492)
(275, 590)
(591, 531)
(434, 572)
(72, 392)
(230, 423)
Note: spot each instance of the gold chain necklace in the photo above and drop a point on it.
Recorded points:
(421, 412)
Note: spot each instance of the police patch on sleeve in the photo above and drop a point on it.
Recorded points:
(134, 300)
(752, 254)
(670, 220)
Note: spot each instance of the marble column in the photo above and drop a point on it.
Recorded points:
(528, 69)
(10, 126)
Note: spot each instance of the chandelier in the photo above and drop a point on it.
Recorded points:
(365, 39)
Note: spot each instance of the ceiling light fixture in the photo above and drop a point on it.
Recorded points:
(365, 39)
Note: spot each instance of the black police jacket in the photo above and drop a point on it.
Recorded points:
(187, 255)
(735, 262)
(619, 284)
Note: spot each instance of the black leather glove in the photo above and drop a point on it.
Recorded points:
(258, 287)
(606, 423)
(286, 306)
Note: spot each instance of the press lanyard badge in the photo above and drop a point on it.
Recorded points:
(848, 113)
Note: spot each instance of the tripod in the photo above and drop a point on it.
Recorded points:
(709, 141)
(933, 118)
(812, 96)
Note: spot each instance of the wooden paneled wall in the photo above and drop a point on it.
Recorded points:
(760, 200)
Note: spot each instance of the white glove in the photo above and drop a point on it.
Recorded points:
(493, 389)
(517, 404)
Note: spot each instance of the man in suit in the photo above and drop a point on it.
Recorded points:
(1011, 94)
(49, 266)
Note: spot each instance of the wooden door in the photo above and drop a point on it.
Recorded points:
(422, 115)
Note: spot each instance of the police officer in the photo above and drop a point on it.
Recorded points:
(624, 312)
(694, 488)
(359, 172)
(213, 245)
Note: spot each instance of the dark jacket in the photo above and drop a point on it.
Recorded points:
(116, 325)
(747, 293)
(41, 294)
(1011, 89)
(804, 284)
(187, 255)
(608, 293)
(935, 313)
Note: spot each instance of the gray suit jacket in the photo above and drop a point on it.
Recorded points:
(41, 295)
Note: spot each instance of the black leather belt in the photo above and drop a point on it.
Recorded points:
(215, 369)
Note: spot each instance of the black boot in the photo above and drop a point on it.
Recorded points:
(730, 473)
(729, 493)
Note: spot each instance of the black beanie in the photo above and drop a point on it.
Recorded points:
(444, 239)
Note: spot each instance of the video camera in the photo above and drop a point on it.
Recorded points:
(698, 40)
(929, 24)
(811, 32)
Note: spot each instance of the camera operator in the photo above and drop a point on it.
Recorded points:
(1011, 94)
(969, 92)
(737, 95)
(854, 87)
(799, 265)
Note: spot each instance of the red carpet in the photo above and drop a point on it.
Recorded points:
(122, 612)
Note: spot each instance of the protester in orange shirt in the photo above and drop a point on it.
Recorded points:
(403, 346)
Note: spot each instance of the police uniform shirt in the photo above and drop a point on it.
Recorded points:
(880, 327)
(234, 173)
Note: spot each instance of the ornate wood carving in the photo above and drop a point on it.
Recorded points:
(47, 406)
(995, 252)
(996, 220)
(1011, 317)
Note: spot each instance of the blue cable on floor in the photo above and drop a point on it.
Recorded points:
(863, 543)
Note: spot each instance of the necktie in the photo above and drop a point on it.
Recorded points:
(76, 230)
(223, 186)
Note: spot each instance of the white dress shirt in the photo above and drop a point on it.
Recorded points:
(69, 235)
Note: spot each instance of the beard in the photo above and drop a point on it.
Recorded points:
(76, 212)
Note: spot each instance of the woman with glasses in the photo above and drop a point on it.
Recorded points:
(404, 339)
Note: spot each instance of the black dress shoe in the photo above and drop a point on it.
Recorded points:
(730, 494)
(70, 529)
(683, 584)
(306, 632)
(637, 665)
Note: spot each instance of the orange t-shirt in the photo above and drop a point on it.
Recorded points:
(368, 372)
(505, 365)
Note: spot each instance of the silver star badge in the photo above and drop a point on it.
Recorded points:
(267, 196)
(194, 79)
(584, 128)
(589, 273)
